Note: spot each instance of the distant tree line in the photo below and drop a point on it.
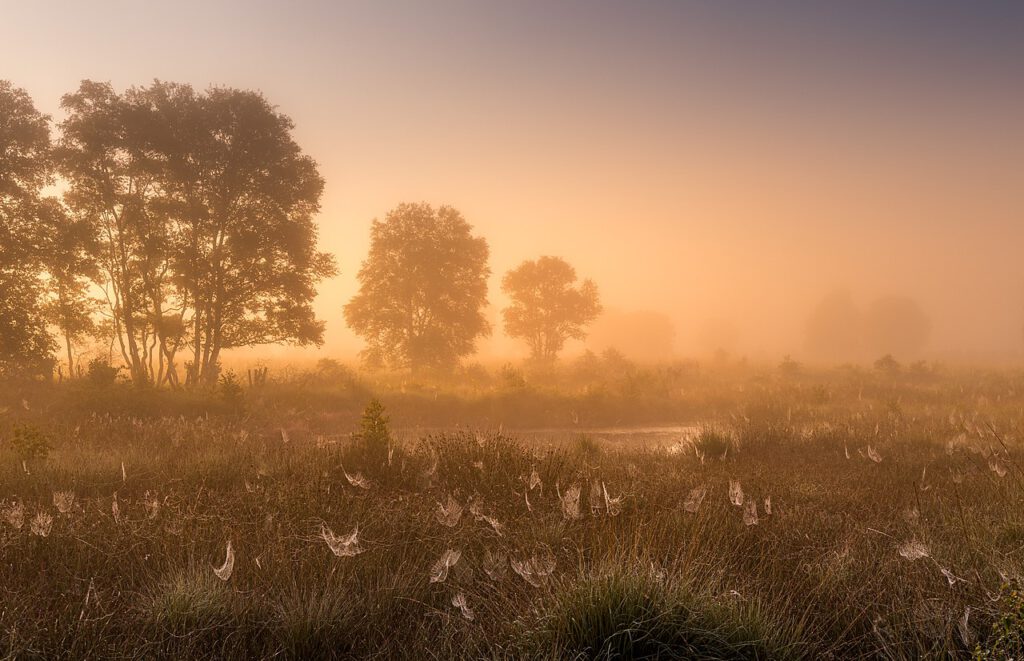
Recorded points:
(176, 224)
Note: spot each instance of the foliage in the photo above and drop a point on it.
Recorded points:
(203, 204)
(374, 432)
(1006, 640)
(26, 346)
(101, 373)
(887, 364)
(230, 390)
(513, 377)
(30, 443)
(422, 289)
(789, 366)
(25, 169)
(548, 307)
(660, 564)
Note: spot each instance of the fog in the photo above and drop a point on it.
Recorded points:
(717, 170)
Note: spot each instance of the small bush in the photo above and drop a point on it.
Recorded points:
(513, 377)
(30, 443)
(887, 365)
(101, 373)
(789, 367)
(375, 434)
(230, 390)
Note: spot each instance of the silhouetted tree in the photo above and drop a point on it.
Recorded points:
(25, 169)
(70, 259)
(422, 289)
(548, 305)
(887, 364)
(203, 205)
(102, 157)
(241, 197)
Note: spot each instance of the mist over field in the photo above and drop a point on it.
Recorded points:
(478, 329)
(717, 164)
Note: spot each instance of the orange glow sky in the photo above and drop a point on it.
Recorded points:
(726, 160)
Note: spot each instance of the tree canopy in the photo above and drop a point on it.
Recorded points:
(422, 289)
(25, 170)
(203, 207)
(548, 305)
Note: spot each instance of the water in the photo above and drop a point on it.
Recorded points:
(664, 435)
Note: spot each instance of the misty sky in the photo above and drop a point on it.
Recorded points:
(727, 163)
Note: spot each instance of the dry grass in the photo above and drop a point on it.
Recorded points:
(828, 573)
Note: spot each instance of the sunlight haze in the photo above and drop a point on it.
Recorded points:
(719, 163)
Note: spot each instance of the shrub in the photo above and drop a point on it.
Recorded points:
(30, 443)
(789, 367)
(101, 373)
(513, 377)
(887, 365)
(374, 433)
(230, 390)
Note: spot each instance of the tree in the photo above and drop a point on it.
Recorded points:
(203, 204)
(25, 169)
(101, 156)
(242, 197)
(548, 306)
(422, 289)
(70, 260)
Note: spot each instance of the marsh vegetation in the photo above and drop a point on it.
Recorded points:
(844, 513)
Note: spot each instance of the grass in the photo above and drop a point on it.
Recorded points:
(821, 576)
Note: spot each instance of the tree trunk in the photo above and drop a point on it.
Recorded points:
(71, 361)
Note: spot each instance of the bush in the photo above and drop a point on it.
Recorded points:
(101, 373)
(887, 365)
(30, 443)
(375, 434)
(513, 377)
(230, 390)
(789, 367)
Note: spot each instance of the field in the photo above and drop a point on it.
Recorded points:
(839, 514)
